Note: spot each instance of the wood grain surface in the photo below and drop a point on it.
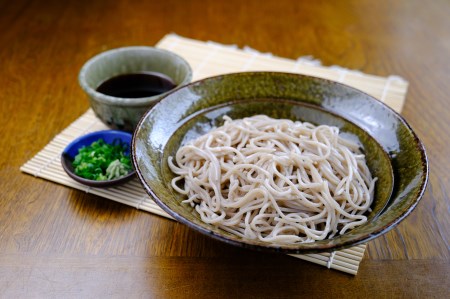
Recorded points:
(56, 242)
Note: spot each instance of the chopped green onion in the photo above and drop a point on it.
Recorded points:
(101, 161)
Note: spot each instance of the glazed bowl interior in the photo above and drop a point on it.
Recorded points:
(393, 152)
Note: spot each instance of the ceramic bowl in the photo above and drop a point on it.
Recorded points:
(109, 136)
(393, 152)
(124, 113)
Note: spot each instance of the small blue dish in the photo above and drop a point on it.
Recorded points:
(108, 136)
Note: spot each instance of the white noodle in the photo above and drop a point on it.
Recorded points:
(275, 180)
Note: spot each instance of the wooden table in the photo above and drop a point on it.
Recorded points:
(59, 242)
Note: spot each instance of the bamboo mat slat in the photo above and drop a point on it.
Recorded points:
(209, 59)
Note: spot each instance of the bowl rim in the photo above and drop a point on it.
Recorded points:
(66, 164)
(134, 102)
(324, 247)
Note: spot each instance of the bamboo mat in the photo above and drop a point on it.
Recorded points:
(209, 59)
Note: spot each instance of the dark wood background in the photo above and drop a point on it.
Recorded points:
(59, 242)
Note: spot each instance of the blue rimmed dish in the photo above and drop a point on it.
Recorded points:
(109, 136)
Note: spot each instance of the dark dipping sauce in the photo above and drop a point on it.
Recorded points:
(137, 85)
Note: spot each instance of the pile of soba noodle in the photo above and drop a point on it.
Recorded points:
(275, 180)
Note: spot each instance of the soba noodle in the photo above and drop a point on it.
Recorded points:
(275, 180)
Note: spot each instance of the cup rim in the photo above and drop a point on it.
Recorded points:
(110, 100)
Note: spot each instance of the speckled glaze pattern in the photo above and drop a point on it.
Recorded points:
(393, 151)
(124, 113)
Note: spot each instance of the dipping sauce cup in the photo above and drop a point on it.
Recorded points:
(123, 83)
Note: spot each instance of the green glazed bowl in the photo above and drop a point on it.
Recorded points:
(124, 113)
(393, 152)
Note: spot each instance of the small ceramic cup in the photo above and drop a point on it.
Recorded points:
(124, 113)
